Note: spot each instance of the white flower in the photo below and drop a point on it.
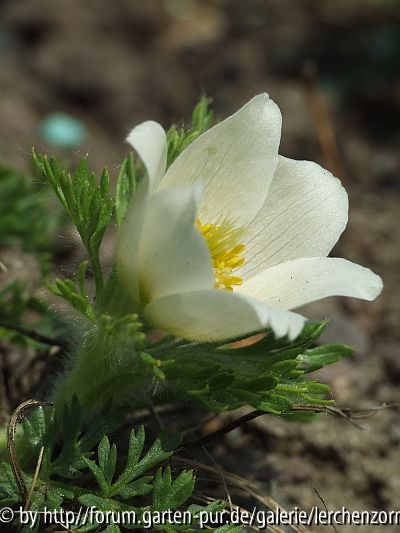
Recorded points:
(232, 236)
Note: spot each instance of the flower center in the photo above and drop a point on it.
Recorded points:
(226, 251)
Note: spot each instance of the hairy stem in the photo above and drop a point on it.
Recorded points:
(104, 371)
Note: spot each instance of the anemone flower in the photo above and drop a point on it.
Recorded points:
(232, 236)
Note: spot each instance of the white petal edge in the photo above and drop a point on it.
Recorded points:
(148, 139)
(295, 283)
(218, 315)
(128, 241)
(174, 256)
(235, 161)
(305, 212)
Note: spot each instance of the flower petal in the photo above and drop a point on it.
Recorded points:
(303, 216)
(215, 315)
(301, 281)
(173, 254)
(235, 160)
(150, 142)
(128, 242)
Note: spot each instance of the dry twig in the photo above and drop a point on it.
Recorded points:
(322, 121)
(38, 337)
(34, 479)
(346, 413)
(246, 486)
(11, 448)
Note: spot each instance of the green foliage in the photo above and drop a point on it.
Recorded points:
(72, 474)
(180, 138)
(26, 223)
(321, 356)
(171, 494)
(270, 374)
(124, 329)
(24, 218)
(15, 303)
(75, 293)
(156, 365)
(87, 203)
(126, 185)
(131, 482)
(9, 494)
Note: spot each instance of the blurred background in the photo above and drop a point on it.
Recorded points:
(76, 76)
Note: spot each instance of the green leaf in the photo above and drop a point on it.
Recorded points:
(162, 448)
(38, 428)
(86, 202)
(316, 358)
(66, 289)
(9, 492)
(98, 474)
(91, 500)
(139, 487)
(56, 495)
(202, 115)
(274, 403)
(107, 458)
(179, 138)
(314, 387)
(136, 443)
(71, 422)
(126, 185)
(112, 528)
(168, 494)
(103, 452)
(24, 214)
(269, 373)
(75, 445)
(262, 383)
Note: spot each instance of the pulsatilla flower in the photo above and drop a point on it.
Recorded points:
(233, 236)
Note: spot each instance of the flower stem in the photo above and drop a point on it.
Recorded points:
(105, 370)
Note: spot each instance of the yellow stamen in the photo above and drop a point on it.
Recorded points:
(226, 254)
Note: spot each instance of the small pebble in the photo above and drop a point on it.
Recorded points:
(62, 130)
